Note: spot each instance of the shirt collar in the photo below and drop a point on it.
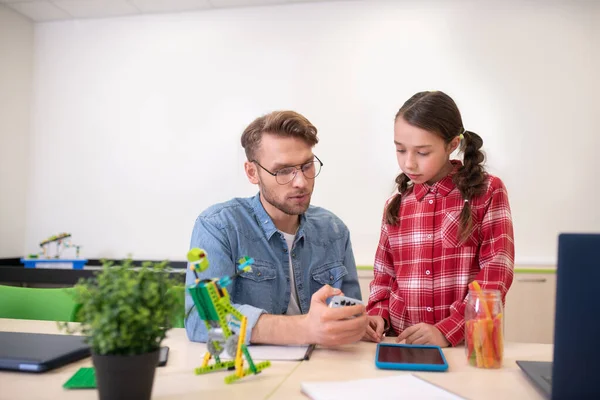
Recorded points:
(266, 223)
(443, 186)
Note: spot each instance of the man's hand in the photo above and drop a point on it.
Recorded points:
(375, 327)
(423, 334)
(334, 326)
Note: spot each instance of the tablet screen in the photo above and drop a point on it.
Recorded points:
(409, 355)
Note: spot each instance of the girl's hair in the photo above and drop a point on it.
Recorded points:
(436, 112)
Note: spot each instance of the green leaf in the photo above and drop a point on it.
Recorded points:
(125, 311)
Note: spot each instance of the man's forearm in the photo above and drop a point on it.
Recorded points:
(280, 329)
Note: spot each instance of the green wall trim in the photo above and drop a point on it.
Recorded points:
(364, 267)
(517, 270)
(535, 270)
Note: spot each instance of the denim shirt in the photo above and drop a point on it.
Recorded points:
(321, 254)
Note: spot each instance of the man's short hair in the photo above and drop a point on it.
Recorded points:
(278, 123)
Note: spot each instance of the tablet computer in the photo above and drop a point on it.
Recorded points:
(163, 356)
(411, 357)
(39, 352)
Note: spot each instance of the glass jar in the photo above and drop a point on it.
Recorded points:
(484, 323)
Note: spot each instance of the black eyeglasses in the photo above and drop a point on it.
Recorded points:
(285, 175)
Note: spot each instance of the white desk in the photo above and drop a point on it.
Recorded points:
(357, 361)
(176, 380)
(282, 380)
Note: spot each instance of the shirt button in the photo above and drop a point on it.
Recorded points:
(330, 277)
(430, 201)
(429, 309)
(427, 272)
(285, 250)
(429, 236)
(258, 273)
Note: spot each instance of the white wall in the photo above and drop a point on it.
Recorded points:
(16, 73)
(136, 121)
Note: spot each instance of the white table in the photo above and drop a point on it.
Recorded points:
(357, 361)
(176, 380)
(282, 380)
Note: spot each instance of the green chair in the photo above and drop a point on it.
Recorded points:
(179, 292)
(37, 303)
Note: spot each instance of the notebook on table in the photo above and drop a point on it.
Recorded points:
(262, 352)
(403, 386)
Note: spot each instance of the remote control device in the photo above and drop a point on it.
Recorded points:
(343, 301)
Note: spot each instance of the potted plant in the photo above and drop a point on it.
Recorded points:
(125, 313)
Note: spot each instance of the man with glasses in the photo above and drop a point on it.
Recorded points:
(302, 254)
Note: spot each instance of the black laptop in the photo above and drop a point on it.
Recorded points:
(574, 372)
(37, 352)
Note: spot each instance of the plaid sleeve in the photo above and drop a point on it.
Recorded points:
(382, 280)
(496, 259)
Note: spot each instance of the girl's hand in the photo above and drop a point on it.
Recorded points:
(375, 327)
(423, 334)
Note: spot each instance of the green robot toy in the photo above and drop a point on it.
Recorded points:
(226, 326)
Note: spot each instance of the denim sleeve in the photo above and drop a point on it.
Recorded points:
(208, 236)
(350, 285)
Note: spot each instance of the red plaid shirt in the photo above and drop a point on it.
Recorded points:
(422, 271)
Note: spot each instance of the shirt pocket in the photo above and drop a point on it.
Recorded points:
(256, 287)
(451, 228)
(330, 274)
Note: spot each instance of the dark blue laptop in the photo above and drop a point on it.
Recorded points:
(575, 370)
(39, 352)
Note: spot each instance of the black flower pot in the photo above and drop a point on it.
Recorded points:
(125, 377)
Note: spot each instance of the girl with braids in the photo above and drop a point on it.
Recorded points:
(449, 224)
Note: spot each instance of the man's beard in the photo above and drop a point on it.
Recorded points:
(289, 209)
